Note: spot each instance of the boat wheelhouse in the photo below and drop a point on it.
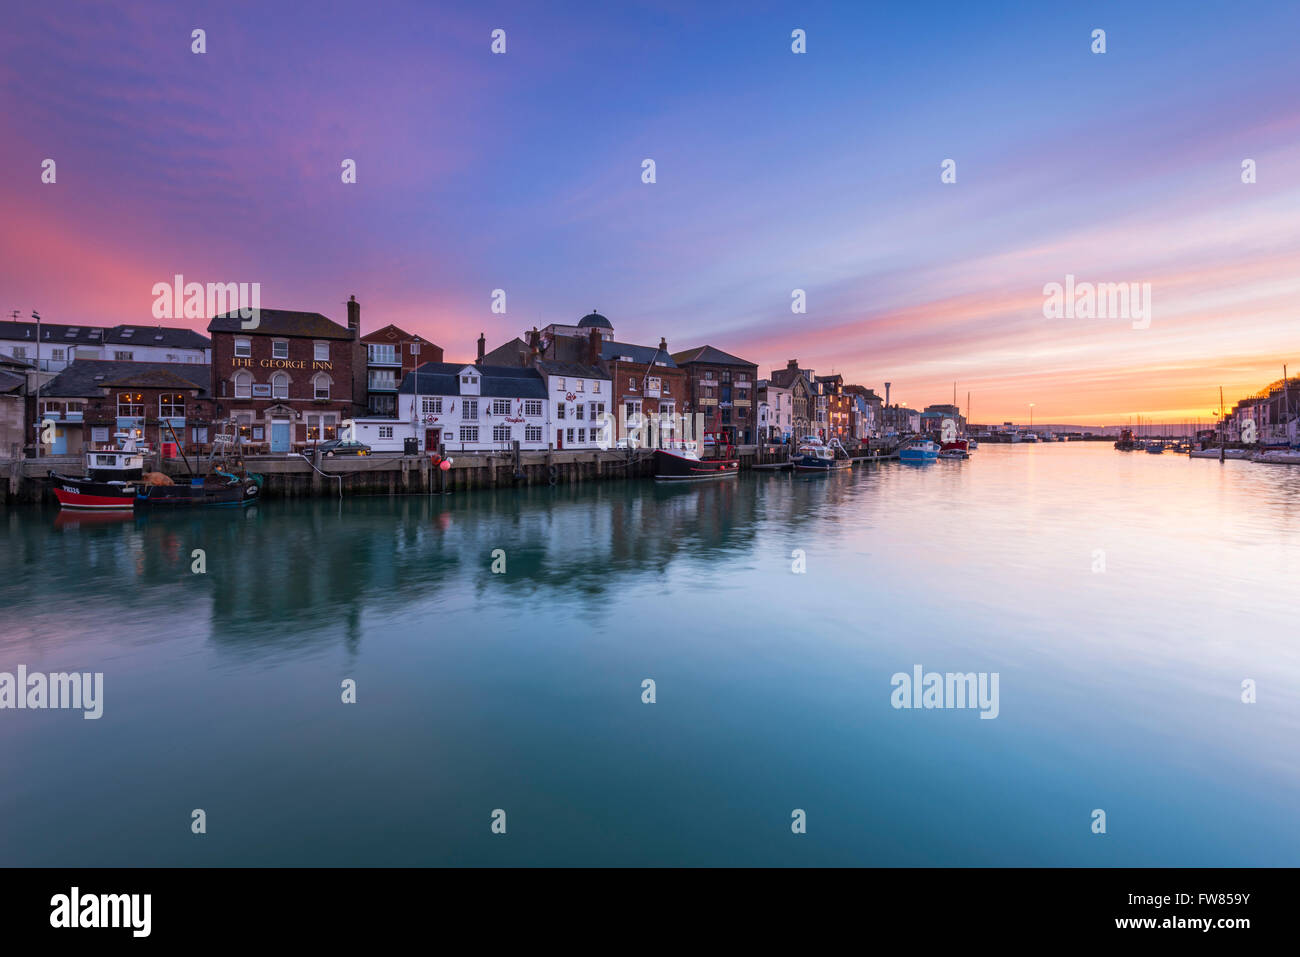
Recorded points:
(112, 477)
(681, 461)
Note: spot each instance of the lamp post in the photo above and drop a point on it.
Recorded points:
(37, 316)
(1031, 416)
(415, 390)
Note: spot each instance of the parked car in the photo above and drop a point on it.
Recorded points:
(338, 447)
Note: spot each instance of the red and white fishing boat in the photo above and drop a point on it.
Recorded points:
(681, 462)
(112, 478)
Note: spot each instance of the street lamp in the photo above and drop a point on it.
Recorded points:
(1031, 415)
(37, 316)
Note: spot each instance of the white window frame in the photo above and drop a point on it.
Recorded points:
(243, 348)
(317, 348)
(277, 380)
(246, 377)
(276, 344)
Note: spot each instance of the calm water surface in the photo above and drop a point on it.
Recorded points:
(1120, 688)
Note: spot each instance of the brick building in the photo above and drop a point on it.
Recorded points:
(804, 394)
(291, 380)
(392, 353)
(723, 388)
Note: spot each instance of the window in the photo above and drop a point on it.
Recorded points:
(577, 410)
(500, 433)
(321, 387)
(532, 433)
(313, 428)
(726, 377)
(385, 431)
(243, 385)
(385, 379)
(321, 351)
(597, 410)
(243, 348)
(382, 353)
(500, 406)
(631, 384)
(708, 375)
(533, 407)
(244, 422)
(668, 388)
(201, 434)
(469, 410)
(130, 405)
(280, 349)
(280, 385)
(570, 438)
(171, 405)
(469, 380)
(581, 386)
(431, 405)
(330, 423)
(595, 387)
(124, 356)
(652, 383)
(469, 433)
(58, 354)
(559, 411)
(559, 385)
(20, 352)
(582, 435)
(383, 405)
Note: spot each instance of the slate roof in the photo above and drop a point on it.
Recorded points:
(508, 353)
(443, 378)
(156, 335)
(711, 356)
(575, 370)
(283, 322)
(644, 355)
(85, 377)
(10, 381)
(53, 333)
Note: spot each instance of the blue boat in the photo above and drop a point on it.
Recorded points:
(924, 451)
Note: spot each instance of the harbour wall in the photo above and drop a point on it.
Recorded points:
(292, 476)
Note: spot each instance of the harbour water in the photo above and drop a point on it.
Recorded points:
(1122, 599)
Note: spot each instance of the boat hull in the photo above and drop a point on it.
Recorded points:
(916, 455)
(670, 467)
(86, 495)
(1214, 454)
(244, 492)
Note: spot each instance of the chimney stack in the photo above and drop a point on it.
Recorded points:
(482, 347)
(792, 363)
(594, 342)
(663, 344)
(887, 385)
(354, 316)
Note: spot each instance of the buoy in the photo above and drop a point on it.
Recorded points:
(445, 464)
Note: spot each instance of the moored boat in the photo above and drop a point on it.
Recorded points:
(1284, 456)
(923, 451)
(1217, 453)
(112, 478)
(220, 488)
(682, 462)
(814, 455)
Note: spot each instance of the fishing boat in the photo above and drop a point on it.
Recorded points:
(1126, 441)
(957, 449)
(814, 455)
(681, 462)
(923, 451)
(1155, 448)
(112, 477)
(219, 488)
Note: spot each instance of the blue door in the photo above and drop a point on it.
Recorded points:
(279, 436)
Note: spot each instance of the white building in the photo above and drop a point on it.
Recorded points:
(466, 408)
(62, 344)
(578, 405)
(775, 411)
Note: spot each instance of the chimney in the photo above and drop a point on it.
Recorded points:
(482, 347)
(887, 385)
(594, 342)
(792, 363)
(663, 344)
(354, 316)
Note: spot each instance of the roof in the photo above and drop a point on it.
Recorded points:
(8, 360)
(594, 320)
(9, 381)
(166, 336)
(53, 333)
(611, 351)
(575, 370)
(390, 333)
(85, 377)
(510, 352)
(710, 356)
(443, 378)
(283, 322)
